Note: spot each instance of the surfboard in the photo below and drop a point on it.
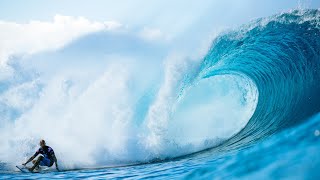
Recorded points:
(25, 169)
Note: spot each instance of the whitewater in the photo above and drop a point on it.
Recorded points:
(246, 106)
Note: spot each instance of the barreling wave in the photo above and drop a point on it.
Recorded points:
(253, 82)
(281, 55)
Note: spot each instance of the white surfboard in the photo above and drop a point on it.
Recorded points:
(25, 169)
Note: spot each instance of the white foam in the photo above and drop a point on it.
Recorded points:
(88, 111)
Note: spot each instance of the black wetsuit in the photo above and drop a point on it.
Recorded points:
(47, 152)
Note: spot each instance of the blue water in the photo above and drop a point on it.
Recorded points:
(280, 55)
(291, 154)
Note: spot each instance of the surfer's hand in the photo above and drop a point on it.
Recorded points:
(24, 164)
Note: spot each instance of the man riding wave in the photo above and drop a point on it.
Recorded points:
(46, 158)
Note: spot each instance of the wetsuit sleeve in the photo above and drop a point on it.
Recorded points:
(36, 154)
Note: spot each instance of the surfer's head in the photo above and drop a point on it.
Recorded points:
(42, 143)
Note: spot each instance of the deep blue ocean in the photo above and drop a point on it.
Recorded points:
(274, 63)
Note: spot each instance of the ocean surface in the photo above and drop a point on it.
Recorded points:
(248, 109)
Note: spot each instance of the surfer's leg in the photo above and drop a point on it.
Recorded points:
(36, 163)
(33, 162)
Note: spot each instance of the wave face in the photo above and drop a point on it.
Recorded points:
(281, 55)
(253, 82)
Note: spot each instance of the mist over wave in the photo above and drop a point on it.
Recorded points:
(131, 101)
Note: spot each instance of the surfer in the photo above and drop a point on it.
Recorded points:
(47, 157)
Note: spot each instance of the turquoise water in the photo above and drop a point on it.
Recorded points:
(273, 64)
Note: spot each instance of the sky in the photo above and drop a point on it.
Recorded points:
(146, 11)
(165, 21)
(170, 17)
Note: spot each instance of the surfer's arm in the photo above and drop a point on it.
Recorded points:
(30, 159)
(55, 161)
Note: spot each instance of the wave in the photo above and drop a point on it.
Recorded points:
(281, 55)
(254, 81)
